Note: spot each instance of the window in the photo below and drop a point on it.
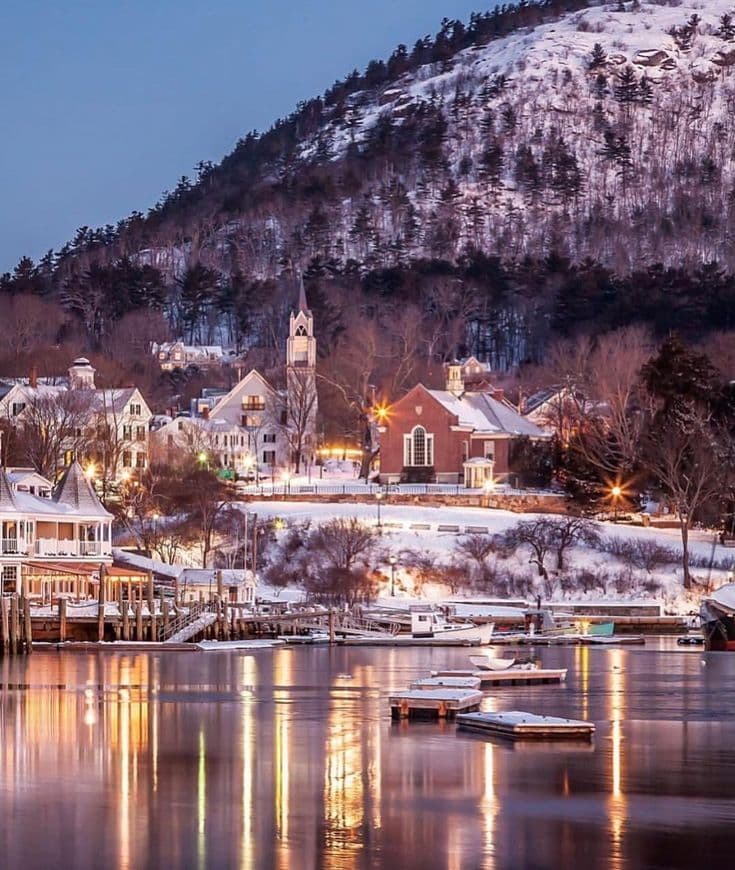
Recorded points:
(269, 457)
(301, 330)
(140, 460)
(127, 459)
(135, 410)
(140, 433)
(269, 438)
(489, 449)
(249, 421)
(18, 407)
(180, 425)
(253, 403)
(418, 447)
(10, 579)
(127, 433)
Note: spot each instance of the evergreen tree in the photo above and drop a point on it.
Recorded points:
(726, 30)
(491, 164)
(645, 91)
(598, 56)
(626, 87)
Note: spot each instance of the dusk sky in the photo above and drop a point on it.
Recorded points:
(106, 104)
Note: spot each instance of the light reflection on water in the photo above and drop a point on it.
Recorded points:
(277, 759)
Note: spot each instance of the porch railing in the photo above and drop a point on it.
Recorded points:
(12, 546)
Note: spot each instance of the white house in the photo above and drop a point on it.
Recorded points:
(53, 541)
(114, 432)
(255, 426)
(177, 355)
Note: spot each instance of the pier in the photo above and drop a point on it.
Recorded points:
(433, 704)
(516, 724)
(509, 677)
(16, 629)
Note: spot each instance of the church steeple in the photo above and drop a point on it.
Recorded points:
(301, 400)
(301, 346)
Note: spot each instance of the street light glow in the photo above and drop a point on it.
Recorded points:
(616, 491)
(90, 471)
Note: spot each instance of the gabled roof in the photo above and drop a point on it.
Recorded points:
(223, 401)
(76, 491)
(7, 495)
(486, 415)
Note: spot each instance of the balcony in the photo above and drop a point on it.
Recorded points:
(13, 547)
(58, 547)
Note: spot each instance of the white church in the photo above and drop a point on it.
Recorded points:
(255, 428)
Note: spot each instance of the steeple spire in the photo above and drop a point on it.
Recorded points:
(302, 295)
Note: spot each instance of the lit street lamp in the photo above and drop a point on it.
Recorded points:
(392, 561)
(616, 492)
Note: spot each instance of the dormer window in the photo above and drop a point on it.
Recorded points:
(253, 403)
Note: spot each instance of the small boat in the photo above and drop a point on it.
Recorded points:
(718, 619)
(311, 637)
(600, 629)
(486, 663)
(429, 623)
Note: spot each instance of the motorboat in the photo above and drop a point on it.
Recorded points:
(488, 663)
(426, 622)
(718, 619)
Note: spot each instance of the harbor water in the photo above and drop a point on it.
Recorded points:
(288, 758)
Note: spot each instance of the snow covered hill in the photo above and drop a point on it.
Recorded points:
(533, 142)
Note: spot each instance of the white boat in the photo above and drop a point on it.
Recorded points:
(486, 663)
(311, 637)
(429, 623)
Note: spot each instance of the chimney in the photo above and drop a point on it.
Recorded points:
(499, 394)
(455, 381)
(33, 377)
(205, 412)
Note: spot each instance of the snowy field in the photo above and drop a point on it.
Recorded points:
(405, 527)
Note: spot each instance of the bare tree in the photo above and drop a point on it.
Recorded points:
(298, 412)
(53, 424)
(691, 469)
(536, 534)
(567, 532)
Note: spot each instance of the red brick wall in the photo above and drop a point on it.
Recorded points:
(435, 419)
(502, 452)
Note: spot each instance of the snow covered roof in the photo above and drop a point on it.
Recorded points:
(486, 415)
(207, 576)
(136, 560)
(7, 494)
(76, 491)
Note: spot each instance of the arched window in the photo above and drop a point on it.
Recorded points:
(418, 447)
(301, 329)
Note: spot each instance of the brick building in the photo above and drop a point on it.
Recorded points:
(452, 435)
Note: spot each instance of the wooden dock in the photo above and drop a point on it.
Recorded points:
(451, 682)
(522, 639)
(407, 640)
(435, 703)
(16, 631)
(517, 724)
(510, 677)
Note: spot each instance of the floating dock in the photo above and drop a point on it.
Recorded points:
(516, 639)
(511, 677)
(407, 640)
(434, 703)
(517, 724)
(451, 682)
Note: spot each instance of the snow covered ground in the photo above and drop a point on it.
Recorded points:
(406, 527)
